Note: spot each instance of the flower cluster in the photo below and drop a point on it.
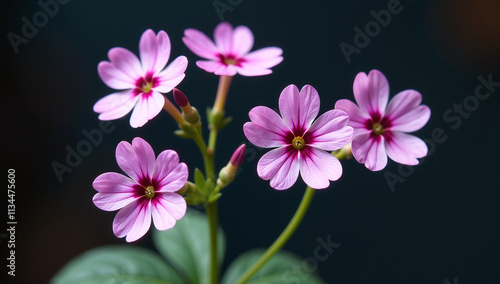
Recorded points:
(157, 189)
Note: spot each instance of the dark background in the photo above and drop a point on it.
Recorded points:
(440, 225)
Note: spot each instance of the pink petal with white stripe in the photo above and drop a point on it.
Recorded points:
(357, 116)
(137, 160)
(406, 113)
(116, 105)
(166, 209)
(115, 77)
(146, 109)
(370, 151)
(329, 132)
(223, 36)
(267, 129)
(154, 50)
(242, 40)
(172, 75)
(281, 166)
(115, 191)
(299, 109)
(126, 61)
(200, 44)
(371, 91)
(265, 57)
(318, 168)
(133, 220)
(405, 149)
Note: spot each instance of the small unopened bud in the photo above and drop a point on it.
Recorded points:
(227, 174)
(344, 152)
(188, 188)
(238, 156)
(189, 113)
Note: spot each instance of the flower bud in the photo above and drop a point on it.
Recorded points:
(227, 173)
(187, 189)
(189, 113)
(344, 152)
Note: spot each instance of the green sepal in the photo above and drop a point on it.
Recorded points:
(199, 180)
(214, 197)
(182, 134)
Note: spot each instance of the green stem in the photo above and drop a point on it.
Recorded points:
(283, 238)
(211, 209)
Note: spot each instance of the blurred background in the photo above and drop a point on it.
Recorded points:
(438, 222)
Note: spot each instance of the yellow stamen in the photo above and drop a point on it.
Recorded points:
(298, 143)
(150, 192)
(378, 128)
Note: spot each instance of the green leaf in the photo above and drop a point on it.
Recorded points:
(187, 246)
(199, 180)
(283, 267)
(117, 264)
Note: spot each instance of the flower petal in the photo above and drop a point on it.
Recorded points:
(242, 40)
(299, 109)
(404, 148)
(250, 70)
(280, 166)
(357, 117)
(371, 92)
(133, 220)
(137, 160)
(172, 75)
(147, 108)
(116, 105)
(329, 132)
(225, 70)
(265, 57)
(115, 191)
(166, 209)
(405, 112)
(154, 50)
(209, 66)
(200, 44)
(126, 61)
(223, 35)
(318, 168)
(370, 151)
(267, 129)
(171, 177)
(115, 77)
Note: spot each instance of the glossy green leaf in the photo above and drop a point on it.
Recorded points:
(186, 246)
(283, 267)
(117, 264)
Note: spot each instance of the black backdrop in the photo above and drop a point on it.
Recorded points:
(439, 225)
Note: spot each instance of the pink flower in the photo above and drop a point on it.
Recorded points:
(140, 82)
(230, 52)
(148, 191)
(380, 128)
(300, 141)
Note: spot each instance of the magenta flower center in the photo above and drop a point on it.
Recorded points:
(378, 124)
(298, 142)
(230, 60)
(145, 84)
(150, 192)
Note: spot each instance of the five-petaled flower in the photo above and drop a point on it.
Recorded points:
(148, 192)
(301, 142)
(379, 127)
(230, 52)
(140, 82)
